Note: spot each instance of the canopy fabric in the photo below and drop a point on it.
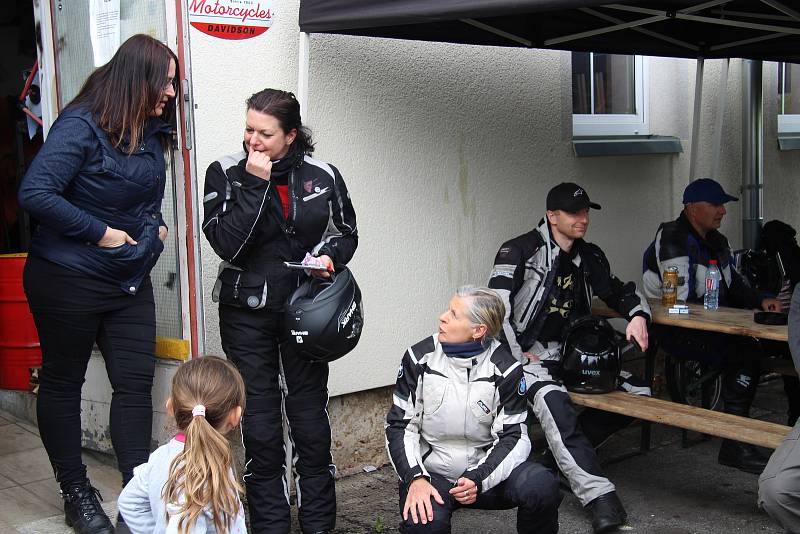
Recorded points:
(752, 29)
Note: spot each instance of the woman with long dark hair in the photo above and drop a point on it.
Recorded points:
(263, 206)
(95, 189)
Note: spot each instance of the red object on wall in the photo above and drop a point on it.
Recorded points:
(19, 341)
(229, 31)
(231, 19)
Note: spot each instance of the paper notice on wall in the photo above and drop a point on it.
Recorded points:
(36, 109)
(104, 29)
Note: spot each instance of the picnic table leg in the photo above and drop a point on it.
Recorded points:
(649, 375)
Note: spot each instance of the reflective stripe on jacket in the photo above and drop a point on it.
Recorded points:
(244, 222)
(523, 274)
(458, 416)
(677, 244)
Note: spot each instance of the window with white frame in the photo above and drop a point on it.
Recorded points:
(609, 95)
(788, 99)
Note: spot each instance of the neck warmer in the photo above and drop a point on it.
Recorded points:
(463, 350)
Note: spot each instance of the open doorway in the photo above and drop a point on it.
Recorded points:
(20, 133)
(69, 59)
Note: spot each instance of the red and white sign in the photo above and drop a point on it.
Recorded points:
(231, 19)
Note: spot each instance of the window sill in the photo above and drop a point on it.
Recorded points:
(625, 145)
(789, 141)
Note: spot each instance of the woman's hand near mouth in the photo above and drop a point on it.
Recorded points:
(259, 164)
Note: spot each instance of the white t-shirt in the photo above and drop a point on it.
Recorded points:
(144, 510)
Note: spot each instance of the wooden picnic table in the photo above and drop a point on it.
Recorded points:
(724, 320)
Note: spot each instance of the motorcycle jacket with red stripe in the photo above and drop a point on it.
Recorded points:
(245, 223)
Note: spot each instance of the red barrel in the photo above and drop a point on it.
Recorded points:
(19, 342)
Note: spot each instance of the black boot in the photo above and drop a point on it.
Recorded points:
(82, 510)
(607, 513)
(742, 456)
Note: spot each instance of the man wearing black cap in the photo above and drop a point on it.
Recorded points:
(546, 278)
(688, 244)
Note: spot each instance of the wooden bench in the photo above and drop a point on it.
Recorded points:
(720, 424)
(724, 320)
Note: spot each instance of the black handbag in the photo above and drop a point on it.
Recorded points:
(243, 289)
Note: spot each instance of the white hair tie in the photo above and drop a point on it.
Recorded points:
(199, 410)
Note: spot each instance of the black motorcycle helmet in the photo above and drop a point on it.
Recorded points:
(591, 357)
(324, 317)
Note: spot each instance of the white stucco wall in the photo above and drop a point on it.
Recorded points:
(224, 74)
(449, 150)
(781, 169)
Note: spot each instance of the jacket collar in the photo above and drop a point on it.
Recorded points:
(553, 250)
(465, 363)
(153, 126)
(713, 239)
(156, 126)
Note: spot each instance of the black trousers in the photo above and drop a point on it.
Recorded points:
(531, 488)
(738, 357)
(72, 312)
(252, 341)
(791, 384)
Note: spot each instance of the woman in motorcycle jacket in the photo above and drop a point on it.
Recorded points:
(269, 204)
(457, 431)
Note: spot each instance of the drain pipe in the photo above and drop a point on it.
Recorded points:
(752, 153)
(698, 100)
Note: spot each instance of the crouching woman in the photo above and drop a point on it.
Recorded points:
(457, 433)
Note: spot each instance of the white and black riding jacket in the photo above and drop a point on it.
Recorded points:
(524, 272)
(244, 221)
(458, 417)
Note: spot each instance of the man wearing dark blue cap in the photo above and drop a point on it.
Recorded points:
(688, 244)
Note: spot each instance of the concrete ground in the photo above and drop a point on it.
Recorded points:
(670, 490)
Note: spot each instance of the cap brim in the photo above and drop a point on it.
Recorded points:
(729, 198)
(576, 209)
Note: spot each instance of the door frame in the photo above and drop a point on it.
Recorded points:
(189, 264)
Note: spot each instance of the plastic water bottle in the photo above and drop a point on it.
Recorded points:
(711, 298)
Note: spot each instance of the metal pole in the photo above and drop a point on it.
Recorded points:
(717, 145)
(752, 152)
(302, 74)
(698, 99)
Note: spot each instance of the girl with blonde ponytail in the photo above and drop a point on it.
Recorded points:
(188, 486)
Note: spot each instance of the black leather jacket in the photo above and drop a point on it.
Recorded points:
(244, 221)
